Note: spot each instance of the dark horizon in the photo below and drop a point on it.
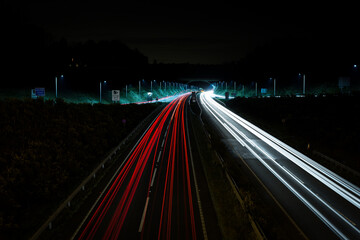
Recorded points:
(195, 33)
(129, 42)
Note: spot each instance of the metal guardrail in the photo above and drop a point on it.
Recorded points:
(67, 203)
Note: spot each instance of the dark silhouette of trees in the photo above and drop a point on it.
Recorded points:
(31, 57)
(323, 58)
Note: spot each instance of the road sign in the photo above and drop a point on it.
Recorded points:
(116, 95)
(37, 92)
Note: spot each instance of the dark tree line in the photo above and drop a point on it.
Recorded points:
(322, 58)
(32, 57)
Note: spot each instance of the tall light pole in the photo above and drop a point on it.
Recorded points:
(100, 89)
(55, 87)
(274, 87)
(256, 89)
(139, 87)
(304, 84)
(56, 84)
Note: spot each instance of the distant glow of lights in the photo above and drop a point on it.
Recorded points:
(213, 95)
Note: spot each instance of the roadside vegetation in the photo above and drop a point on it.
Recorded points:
(47, 148)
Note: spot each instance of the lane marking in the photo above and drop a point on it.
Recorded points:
(144, 214)
(158, 160)
(153, 178)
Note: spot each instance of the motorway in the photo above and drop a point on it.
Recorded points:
(320, 203)
(152, 195)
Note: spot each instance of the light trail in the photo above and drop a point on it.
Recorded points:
(160, 164)
(178, 159)
(114, 189)
(332, 180)
(351, 193)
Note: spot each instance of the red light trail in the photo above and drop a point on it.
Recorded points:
(163, 167)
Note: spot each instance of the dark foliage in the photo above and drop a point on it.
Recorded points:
(32, 57)
(47, 148)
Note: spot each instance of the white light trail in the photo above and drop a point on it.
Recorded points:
(336, 183)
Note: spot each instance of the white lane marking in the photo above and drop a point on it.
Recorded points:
(158, 160)
(153, 178)
(144, 214)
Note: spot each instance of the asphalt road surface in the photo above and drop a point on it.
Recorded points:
(152, 194)
(321, 204)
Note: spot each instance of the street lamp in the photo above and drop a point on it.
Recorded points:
(256, 89)
(303, 75)
(274, 87)
(304, 84)
(56, 84)
(100, 89)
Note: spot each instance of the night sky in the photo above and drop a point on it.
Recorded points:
(184, 32)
